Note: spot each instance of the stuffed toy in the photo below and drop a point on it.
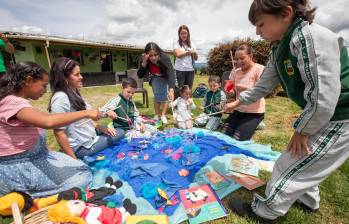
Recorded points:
(25, 202)
(94, 196)
(40, 203)
(77, 211)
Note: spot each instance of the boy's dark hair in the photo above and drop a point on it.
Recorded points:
(184, 88)
(301, 9)
(129, 82)
(187, 42)
(60, 71)
(214, 78)
(13, 81)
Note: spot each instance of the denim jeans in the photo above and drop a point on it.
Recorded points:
(103, 142)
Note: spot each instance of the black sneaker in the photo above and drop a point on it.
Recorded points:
(243, 209)
(305, 208)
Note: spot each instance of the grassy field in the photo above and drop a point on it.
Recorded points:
(279, 116)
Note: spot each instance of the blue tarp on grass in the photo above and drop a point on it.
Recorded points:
(145, 164)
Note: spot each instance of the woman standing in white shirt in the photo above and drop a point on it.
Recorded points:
(185, 56)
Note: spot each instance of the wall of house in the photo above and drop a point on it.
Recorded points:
(40, 55)
(24, 51)
(119, 58)
(88, 57)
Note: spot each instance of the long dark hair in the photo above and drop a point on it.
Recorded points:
(187, 42)
(162, 56)
(301, 9)
(60, 71)
(13, 81)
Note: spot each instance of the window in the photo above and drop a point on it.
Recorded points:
(38, 49)
(17, 46)
(76, 55)
(133, 59)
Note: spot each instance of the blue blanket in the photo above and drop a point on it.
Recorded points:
(145, 165)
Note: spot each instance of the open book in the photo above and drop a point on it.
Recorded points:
(202, 204)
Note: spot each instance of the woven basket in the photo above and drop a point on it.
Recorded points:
(37, 217)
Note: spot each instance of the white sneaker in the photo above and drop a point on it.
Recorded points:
(156, 117)
(164, 119)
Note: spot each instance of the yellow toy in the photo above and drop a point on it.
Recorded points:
(77, 211)
(62, 212)
(163, 194)
(40, 203)
(25, 202)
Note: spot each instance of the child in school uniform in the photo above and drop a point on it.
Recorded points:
(122, 109)
(182, 108)
(312, 64)
(125, 114)
(213, 102)
(26, 165)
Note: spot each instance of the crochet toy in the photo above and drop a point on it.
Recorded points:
(94, 196)
(77, 211)
(25, 202)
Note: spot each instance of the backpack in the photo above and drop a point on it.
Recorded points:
(200, 91)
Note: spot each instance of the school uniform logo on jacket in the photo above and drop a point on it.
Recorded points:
(288, 67)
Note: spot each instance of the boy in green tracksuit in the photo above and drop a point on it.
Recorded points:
(312, 64)
(212, 103)
(121, 108)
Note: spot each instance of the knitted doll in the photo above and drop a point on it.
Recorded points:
(25, 202)
(77, 211)
(93, 196)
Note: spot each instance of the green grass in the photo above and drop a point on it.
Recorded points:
(279, 116)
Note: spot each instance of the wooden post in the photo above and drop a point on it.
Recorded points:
(47, 45)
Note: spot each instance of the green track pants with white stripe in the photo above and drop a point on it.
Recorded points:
(298, 178)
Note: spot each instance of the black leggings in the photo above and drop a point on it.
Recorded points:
(185, 78)
(241, 126)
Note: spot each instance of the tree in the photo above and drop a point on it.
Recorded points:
(219, 57)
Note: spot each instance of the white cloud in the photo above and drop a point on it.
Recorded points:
(140, 21)
(28, 29)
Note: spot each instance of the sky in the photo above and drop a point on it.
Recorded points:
(137, 22)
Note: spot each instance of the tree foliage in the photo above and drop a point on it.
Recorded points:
(219, 57)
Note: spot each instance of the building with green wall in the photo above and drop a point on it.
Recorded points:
(94, 57)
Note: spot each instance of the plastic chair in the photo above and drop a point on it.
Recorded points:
(132, 73)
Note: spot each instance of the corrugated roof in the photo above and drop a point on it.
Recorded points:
(63, 40)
